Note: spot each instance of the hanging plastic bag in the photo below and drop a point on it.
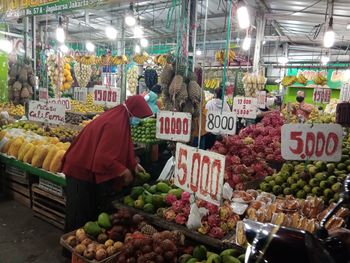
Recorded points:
(195, 218)
(168, 170)
(227, 192)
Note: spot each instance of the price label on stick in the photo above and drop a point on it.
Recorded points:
(261, 99)
(200, 172)
(46, 112)
(223, 123)
(245, 107)
(321, 142)
(63, 101)
(322, 95)
(107, 96)
(173, 126)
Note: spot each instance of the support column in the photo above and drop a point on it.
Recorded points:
(34, 48)
(260, 30)
(123, 67)
(26, 29)
(193, 32)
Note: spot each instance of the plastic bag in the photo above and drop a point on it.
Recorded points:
(227, 192)
(195, 218)
(168, 170)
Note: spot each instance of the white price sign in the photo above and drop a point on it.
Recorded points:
(46, 112)
(222, 123)
(261, 99)
(80, 94)
(174, 126)
(322, 95)
(200, 172)
(245, 107)
(345, 93)
(107, 96)
(43, 94)
(321, 142)
(62, 101)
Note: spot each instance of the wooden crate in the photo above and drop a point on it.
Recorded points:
(49, 206)
(18, 191)
(17, 174)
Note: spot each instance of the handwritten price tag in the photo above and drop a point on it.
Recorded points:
(306, 142)
(261, 99)
(107, 96)
(322, 95)
(173, 126)
(43, 94)
(345, 93)
(245, 107)
(223, 123)
(200, 172)
(62, 101)
(46, 112)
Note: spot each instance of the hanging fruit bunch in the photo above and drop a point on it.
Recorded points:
(288, 81)
(67, 78)
(253, 83)
(140, 59)
(132, 76)
(55, 65)
(212, 83)
(88, 60)
(319, 79)
(301, 79)
(82, 74)
(21, 82)
(120, 60)
(220, 56)
(160, 60)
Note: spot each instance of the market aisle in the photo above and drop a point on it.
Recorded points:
(25, 238)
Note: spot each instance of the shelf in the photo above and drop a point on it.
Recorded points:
(34, 171)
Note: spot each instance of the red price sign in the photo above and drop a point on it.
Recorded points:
(312, 142)
(174, 126)
(200, 172)
(322, 95)
(245, 107)
(107, 96)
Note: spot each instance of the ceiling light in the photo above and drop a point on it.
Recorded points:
(346, 75)
(64, 48)
(243, 15)
(90, 47)
(138, 32)
(6, 45)
(246, 43)
(329, 36)
(325, 60)
(198, 52)
(348, 26)
(144, 42)
(111, 32)
(130, 20)
(137, 49)
(283, 60)
(264, 42)
(60, 35)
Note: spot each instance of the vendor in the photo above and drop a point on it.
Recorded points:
(301, 109)
(100, 162)
(216, 103)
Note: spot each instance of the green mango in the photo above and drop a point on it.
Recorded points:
(158, 200)
(163, 187)
(230, 252)
(192, 260)
(200, 252)
(128, 201)
(104, 221)
(136, 191)
(184, 258)
(230, 259)
(214, 258)
(148, 198)
(92, 229)
(177, 192)
(153, 189)
(149, 208)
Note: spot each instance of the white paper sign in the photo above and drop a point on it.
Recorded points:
(245, 107)
(261, 99)
(221, 123)
(321, 95)
(321, 142)
(43, 94)
(46, 112)
(345, 93)
(174, 126)
(200, 172)
(107, 96)
(63, 101)
(80, 94)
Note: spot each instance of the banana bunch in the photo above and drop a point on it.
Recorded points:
(220, 56)
(141, 58)
(301, 79)
(324, 118)
(88, 60)
(68, 59)
(289, 117)
(211, 83)
(119, 60)
(160, 60)
(288, 81)
(320, 80)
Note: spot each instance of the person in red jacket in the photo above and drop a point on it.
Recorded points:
(100, 162)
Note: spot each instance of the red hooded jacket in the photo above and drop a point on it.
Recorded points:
(104, 148)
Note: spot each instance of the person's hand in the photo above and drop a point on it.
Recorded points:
(139, 169)
(127, 177)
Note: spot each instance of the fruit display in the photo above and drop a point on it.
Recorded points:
(12, 109)
(86, 122)
(160, 60)
(67, 78)
(253, 83)
(202, 254)
(288, 81)
(220, 56)
(140, 59)
(314, 116)
(331, 107)
(86, 107)
(132, 77)
(82, 74)
(55, 64)
(247, 153)
(21, 83)
(301, 79)
(320, 79)
(74, 118)
(145, 131)
(212, 83)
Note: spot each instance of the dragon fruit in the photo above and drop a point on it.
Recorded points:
(213, 209)
(213, 220)
(170, 198)
(177, 206)
(186, 210)
(180, 219)
(185, 196)
(216, 232)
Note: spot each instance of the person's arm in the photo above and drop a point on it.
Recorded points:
(306, 109)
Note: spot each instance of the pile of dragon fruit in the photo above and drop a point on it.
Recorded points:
(247, 153)
(217, 222)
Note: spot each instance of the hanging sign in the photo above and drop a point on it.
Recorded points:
(107, 96)
(80, 94)
(46, 112)
(200, 172)
(62, 101)
(221, 123)
(261, 99)
(345, 93)
(43, 94)
(321, 142)
(321, 95)
(174, 126)
(245, 107)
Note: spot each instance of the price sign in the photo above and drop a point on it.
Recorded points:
(46, 112)
(321, 95)
(306, 142)
(261, 99)
(222, 123)
(43, 94)
(173, 126)
(80, 94)
(345, 93)
(200, 172)
(107, 96)
(62, 101)
(245, 107)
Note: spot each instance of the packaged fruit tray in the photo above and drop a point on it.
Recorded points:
(63, 242)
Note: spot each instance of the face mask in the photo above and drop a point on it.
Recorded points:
(134, 121)
(300, 99)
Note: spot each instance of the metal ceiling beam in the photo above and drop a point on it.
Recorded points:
(308, 12)
(308, 19)
(302, 39)
(267, 10)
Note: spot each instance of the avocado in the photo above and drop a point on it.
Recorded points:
(104, 221)
(200, 252)
(92, 229)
